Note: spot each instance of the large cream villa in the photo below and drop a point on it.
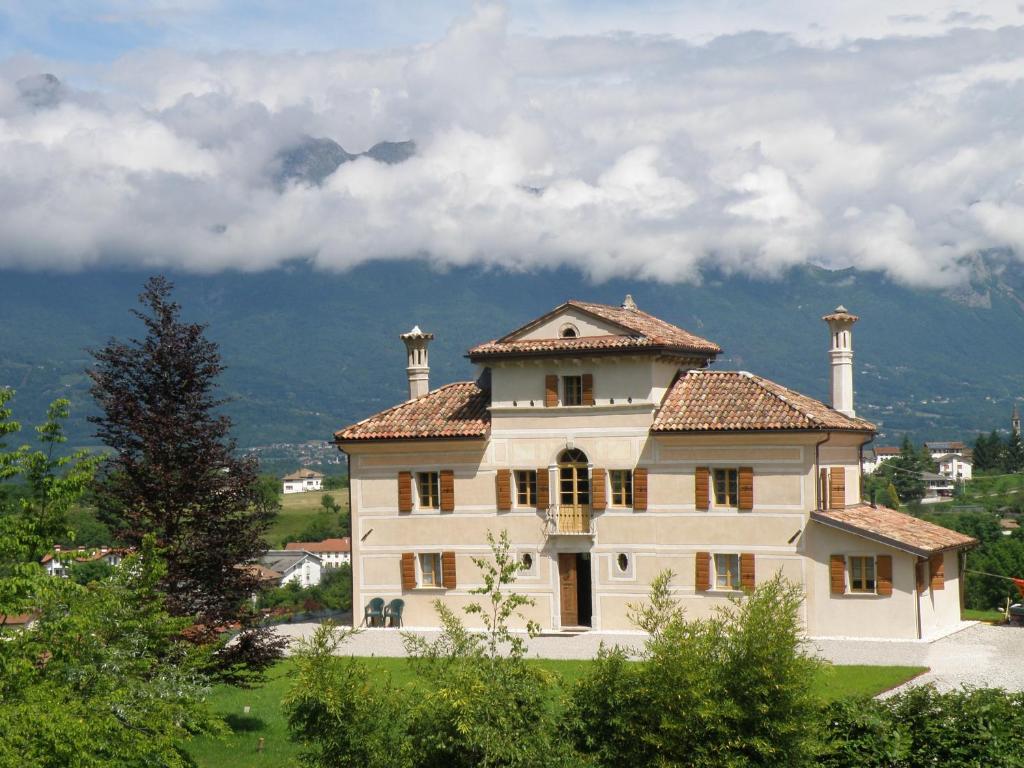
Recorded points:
(601, 440)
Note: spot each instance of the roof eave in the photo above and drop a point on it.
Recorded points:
(698, 356)
(341, 442)
(819, 517)
(755, 431)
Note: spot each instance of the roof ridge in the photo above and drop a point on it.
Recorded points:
(408, 402)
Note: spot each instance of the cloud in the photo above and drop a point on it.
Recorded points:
(619, 154)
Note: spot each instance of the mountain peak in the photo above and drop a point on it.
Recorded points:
(311, 160)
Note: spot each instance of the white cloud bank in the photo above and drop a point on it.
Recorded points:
(654, 156)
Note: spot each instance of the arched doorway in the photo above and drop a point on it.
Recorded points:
(573, 492)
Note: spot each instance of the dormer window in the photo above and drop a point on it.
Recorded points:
(568, 331)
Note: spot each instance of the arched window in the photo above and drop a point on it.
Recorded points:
(574, 478)
(568, 331)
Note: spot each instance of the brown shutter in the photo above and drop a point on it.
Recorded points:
(937, 566)
(448, 570)
(503, 482)
(702, 575)
(447, 490)
(746, 488)
(588, 389)
(405, 491)
(701, 488)
(837, 488)
(747, 580)
(883, 575)
(640, 489)
(823, 488)
(550, 391)
(597, 495)
(542, 488)
(408, 571)
(921, 572)
(837, 574)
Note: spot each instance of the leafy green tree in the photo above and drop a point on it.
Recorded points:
(732, 690)
(905, 472)
(90, 571)
(988, 453)
(335, 482)
(892, 496)
(174, 472)
(1013, 457)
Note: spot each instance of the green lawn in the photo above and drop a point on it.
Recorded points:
(298, 510)
(265, 719)
(973, 614)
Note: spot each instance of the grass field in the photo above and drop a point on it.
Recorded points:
(993, 617)
(266, 720)
(298, 510)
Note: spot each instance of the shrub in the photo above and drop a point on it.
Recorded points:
(732, 690)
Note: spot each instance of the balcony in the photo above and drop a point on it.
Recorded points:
(567, 520)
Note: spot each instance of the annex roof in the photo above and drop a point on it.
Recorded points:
(887, 450)
(640, 331)
(456, 410)
(343, 544)
(895, 529)
(303, 474)
(737, 401)
(944, 445)
(281, 561)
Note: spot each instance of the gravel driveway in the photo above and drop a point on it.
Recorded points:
(980, 655)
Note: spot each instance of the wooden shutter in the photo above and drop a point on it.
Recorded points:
(640, 489)
(598, 500)
(702, 488)
(823, 488)
(542, 488)
(448, 570)
(883, 575)
(837, 574)
(921, 572)
(405, 491)
(588, 389)
(447, 490)
(747, 580)
(837, 488)
(503, 481)
(550, 391)
(408, 571)
(702, 574)
(937, 566)
(746, 488)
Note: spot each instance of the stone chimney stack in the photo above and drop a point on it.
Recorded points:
(840, 322)
(418, 370)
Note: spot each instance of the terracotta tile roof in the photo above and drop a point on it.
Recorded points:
(640, 331)
(887, 450)
(302, 474)
(456, 410)
(327, 545)
(894, 529)
(729, 401)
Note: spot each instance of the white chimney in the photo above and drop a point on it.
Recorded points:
(840, 322)
(418, 369)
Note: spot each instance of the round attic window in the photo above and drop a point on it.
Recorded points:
(569, 331)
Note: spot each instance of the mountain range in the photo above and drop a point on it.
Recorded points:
(310, 351)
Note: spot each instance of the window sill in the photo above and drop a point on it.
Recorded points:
(429, 588)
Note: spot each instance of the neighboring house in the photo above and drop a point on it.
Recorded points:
(598, 438)
(289, 565)
(60, 561)
(938, 449)
(955, 466)
(301, 481)
(937, 487)
(332, 552)
(16, 621)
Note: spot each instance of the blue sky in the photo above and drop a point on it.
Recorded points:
(632, 138)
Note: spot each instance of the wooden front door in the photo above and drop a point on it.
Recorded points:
(567, 589)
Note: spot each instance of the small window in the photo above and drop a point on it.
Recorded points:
(862, 574)
(568, 331)
(527, 561)
(429, 489)
(526, 487)
(622, 487)
(726, 487)
(430, 569)
(727, 571)
(622, 562)
(572, 390)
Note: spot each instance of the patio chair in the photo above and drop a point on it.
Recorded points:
(373, 614)
(393, 613)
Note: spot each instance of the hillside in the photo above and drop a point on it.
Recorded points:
(308, 351)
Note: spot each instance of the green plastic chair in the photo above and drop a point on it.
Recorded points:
(394, 612)
(373, 614)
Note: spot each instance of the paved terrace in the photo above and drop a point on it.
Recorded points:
(979, 655)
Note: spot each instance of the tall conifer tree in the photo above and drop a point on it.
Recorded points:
(174, 472)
